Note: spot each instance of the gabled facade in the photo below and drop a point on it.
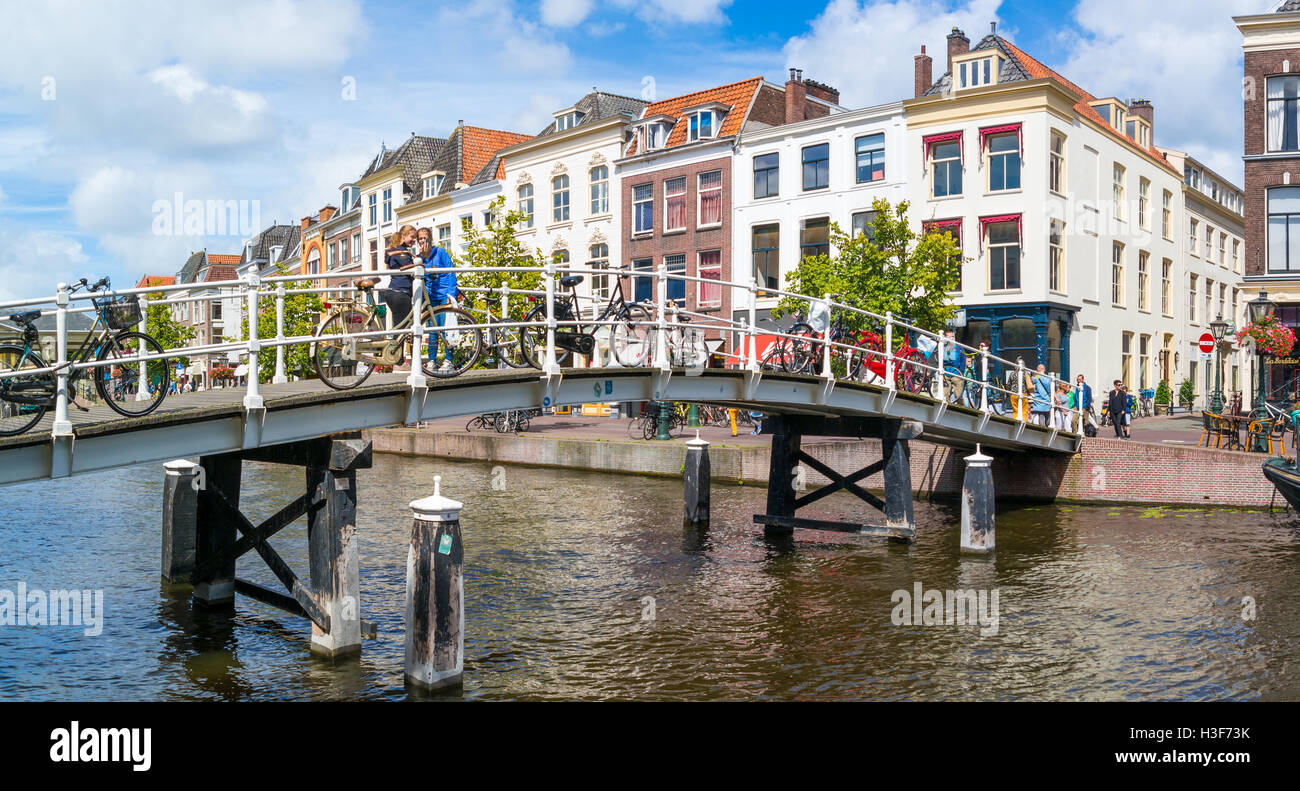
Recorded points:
(1068, 217)
(207, 317)
(392, 178)
(675, 183)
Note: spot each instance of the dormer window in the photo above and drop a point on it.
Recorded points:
(653, 134)
(567, 120)
(976, 70)
(432, 183)
(1138, 131)
(1113, 112)
(348, 195)
(701, 125)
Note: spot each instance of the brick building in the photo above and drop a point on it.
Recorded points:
(675, 182)
(1271, 104)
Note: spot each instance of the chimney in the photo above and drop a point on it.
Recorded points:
(796, 97)
(306, 221)
(327, 212)
(922, 72)
(1142, 109)
(958, 44)
(822, 91)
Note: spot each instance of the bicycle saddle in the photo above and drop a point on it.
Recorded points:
(569, 281)
(683, 318)
(25, 318)
(365, 283)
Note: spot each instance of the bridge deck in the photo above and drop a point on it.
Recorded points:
(215, 421)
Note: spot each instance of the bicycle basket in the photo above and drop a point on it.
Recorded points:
(119, 313)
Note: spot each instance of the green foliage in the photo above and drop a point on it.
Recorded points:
(1186, 392)
(892, 270)
(498, 245)
(1162, 392)
(169, 332)
(301, 314)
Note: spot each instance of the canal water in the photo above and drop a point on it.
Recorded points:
(586, 586)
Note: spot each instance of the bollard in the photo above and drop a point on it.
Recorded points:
(435, 594)
(696, 479)
(279, 377)
(179, 527)
(977, 518)
(661, 424)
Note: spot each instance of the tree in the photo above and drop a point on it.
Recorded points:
(892, 269)
(165, 329)
(301, 313)
(498, 245)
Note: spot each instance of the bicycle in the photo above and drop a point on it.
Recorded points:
(630, 337)
(347, 362)
(24, 399)
(647, 425)
(963, 387)
(1146, 404)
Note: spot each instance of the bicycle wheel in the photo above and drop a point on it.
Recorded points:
(954, 384)
(118, 384)
(803, 355)
(504, 343)
(909, 371)
(451, 351)
(532, 340)
(633, 337)
(16, 418)
(475, 422)
(339, 363)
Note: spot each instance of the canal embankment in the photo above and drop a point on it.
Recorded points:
(1109, 471)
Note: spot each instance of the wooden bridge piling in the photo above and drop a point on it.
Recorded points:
(331, 538)
(977, 514)
(435, 594)
(180, 506)
(214, 558)
(697, 481)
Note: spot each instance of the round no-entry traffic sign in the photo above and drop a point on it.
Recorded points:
(1207, 342)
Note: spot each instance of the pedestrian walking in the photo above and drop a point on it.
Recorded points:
(1083, 396)
(1117, 408)
(1042, 405)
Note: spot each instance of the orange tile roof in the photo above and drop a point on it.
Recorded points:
(222, 259)
(479, 145)
(221, 272)
(156, 280)
(1037, 70)
(737, 96)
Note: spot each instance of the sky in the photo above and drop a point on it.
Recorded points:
(110, 109)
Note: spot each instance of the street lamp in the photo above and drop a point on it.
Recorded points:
(1219, 328)
(1259, 308)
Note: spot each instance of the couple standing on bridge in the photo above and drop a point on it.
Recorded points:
(407, 248)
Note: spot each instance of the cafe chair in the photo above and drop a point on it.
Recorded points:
(1208, 431)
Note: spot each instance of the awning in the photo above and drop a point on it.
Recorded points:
(997, 130)
(930, 140)
(985, 221)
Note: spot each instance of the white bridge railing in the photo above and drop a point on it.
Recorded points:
(675, 334)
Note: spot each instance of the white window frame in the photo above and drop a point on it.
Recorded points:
(700, 190)
(599, 190)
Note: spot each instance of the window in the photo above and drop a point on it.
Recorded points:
(701, 126)
(599, 190)
(1144, 295)
(1209, 290)
(466, 222)
(1056, 259)
(1126, 361)
(444, 235)
(332, 255)
(766, 173)
(1209, 243)
(642, 287)
(871, 157)
(817, 166)
(525, 204)
(643, 208)
(1004, 161)
(1144, 204)
(1144, 361)
(710, 191)
(1223, 298)
(388, 205)
(1236, 255)
(710, 268)
(653, 135)
(489, 217)
(945, 169)
(1191, 247)
(1166, 215)
(343, 251)
(1283, 223)
(356, 248)
(1117, 273)
(953, 229)
(675, 204)
(767, 248)
(1004, 255)
(1056, 167)
(1284, 113)
(560, 199)
(814, 237)
(1166, 287)
(567, 121)
(374, 209)
(1118, 190)
(1223, 248)
(561, 256)
(600, 283)
(432, 185)
(864, 224)
(216, 310)
(1233, 317)
(1191, 299)
(676, 265)
(374, 253)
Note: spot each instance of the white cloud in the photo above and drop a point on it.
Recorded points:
(2, 196)
(33, 262)
(669, 12)
(836, 50)
(565, 13)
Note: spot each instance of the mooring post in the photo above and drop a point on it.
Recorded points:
(977, 518)
(783, 467)
(697, 478)
(435, 594)
(215, 535)
(180, 511)
(331, 540)
(897, 455)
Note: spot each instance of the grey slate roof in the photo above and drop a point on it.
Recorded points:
(285, 236)
(598, 106)
(1289, 5)
(193, 266)
(1011, 71)
(416, 155)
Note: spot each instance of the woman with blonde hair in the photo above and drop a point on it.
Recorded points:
(400, 253)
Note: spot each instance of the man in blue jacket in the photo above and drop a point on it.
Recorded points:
(441, 288)
(1083, 392)
(1042, 405)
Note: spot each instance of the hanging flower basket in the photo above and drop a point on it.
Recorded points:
(1271, 336)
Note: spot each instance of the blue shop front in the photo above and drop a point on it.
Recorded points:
(1038, 332)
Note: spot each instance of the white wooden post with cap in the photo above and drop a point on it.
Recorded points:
(435, 593)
